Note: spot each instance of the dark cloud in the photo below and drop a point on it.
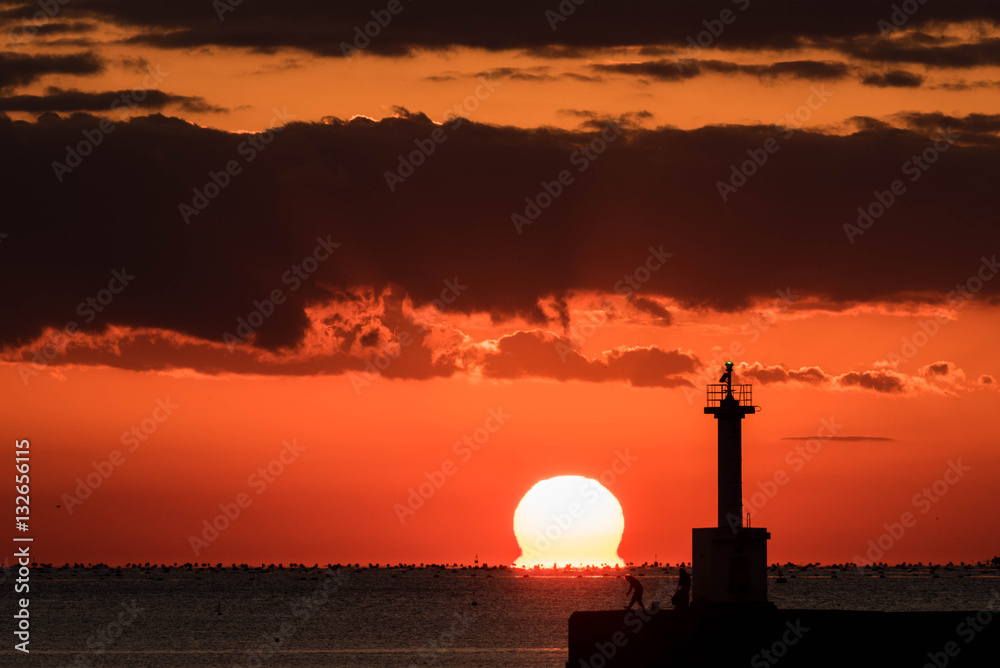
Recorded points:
(581, 77)
(838, 438)
(18, 69)
(536, 73)
(451, 219)
(662, 315)
(56, 99)
(64, 28)
(661, 70)
(983, 129)
(321, 27)
(558, 51)
(369, 339)
(938, 369)
(780, 374)
(594, 121)
(962, 84)
(283, 65)
(982, 53)
(939, 378)
(542, 355)
(867, 123)
(800, 69)
(880, 380)
(893, 79)
(972, 123)
(381, 344)
(678, 70)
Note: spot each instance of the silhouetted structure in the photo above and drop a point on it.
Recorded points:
(729, 560)
(727, 377)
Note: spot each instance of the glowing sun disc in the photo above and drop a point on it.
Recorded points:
(569, 520)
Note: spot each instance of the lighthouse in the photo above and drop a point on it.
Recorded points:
(729, 560)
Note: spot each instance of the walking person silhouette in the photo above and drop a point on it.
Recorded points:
(636, 586)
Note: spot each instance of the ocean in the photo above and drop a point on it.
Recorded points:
(399, 617)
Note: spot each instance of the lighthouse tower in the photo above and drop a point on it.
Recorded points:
(729, 560)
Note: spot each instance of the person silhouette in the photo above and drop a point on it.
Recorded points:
(680, 597)
(636, 586)
(727, 377)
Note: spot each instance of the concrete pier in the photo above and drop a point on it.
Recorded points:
(723, 637)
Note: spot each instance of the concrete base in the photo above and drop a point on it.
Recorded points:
(761, 635)
(729, 566)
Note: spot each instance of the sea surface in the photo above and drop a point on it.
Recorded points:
(393, 617)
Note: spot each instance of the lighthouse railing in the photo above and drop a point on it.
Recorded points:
(717, 392)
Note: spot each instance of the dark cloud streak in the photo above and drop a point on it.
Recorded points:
(56, 99)
(320, 27)
(21, 69)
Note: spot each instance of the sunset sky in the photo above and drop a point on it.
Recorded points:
(297, 260)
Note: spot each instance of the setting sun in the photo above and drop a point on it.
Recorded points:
(569, 520)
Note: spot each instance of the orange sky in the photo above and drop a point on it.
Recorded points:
(246, 87)
(363, 451)
(632, 387)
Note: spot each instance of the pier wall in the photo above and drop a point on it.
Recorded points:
(762, 636)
